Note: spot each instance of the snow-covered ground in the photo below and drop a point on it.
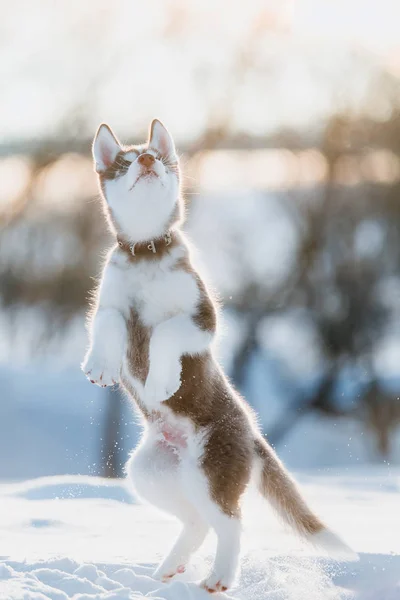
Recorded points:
(85, 538)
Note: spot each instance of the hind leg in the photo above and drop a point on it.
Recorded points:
(155, 472)
(226, 563)
(190, 539)
(226, 526)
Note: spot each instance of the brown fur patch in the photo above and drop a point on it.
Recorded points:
(138, 346)
(118, 168)
(206, 314)
(227, 461)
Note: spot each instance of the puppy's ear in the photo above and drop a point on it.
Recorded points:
(161, 140)
(105, 148)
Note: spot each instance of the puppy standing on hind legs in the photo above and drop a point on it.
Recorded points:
(151, 330)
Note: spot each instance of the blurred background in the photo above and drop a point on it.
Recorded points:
(287, 118)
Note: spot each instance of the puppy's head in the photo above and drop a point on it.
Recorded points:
(140, 184)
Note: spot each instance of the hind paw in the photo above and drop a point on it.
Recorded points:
(215, 584)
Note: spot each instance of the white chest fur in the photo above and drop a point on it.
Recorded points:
(163, 293)
(156, 289)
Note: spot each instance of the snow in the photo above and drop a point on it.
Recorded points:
(86, 538)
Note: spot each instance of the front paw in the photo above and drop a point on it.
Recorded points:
(100, 371)
(162, 573)
(160, 386)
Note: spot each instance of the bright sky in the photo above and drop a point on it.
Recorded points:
(373, 24)
(125, 62)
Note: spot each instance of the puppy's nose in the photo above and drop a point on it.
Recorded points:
(147, 160)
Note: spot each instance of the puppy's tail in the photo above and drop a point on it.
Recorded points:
(277, 486)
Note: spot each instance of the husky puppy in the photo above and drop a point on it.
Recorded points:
(152, 329)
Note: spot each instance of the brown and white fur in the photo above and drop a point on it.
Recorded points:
(152, 330)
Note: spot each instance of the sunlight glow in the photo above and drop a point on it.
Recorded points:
(179, 60)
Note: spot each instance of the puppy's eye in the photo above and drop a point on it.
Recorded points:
(122, 165)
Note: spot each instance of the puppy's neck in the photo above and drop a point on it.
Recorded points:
(153, 249)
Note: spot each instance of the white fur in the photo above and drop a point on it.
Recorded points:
(162, 139)
(134, 202)
(333, 545)
(190, 539)
(155, 471)
(103, 362)
(105, 148)
(108, 333)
